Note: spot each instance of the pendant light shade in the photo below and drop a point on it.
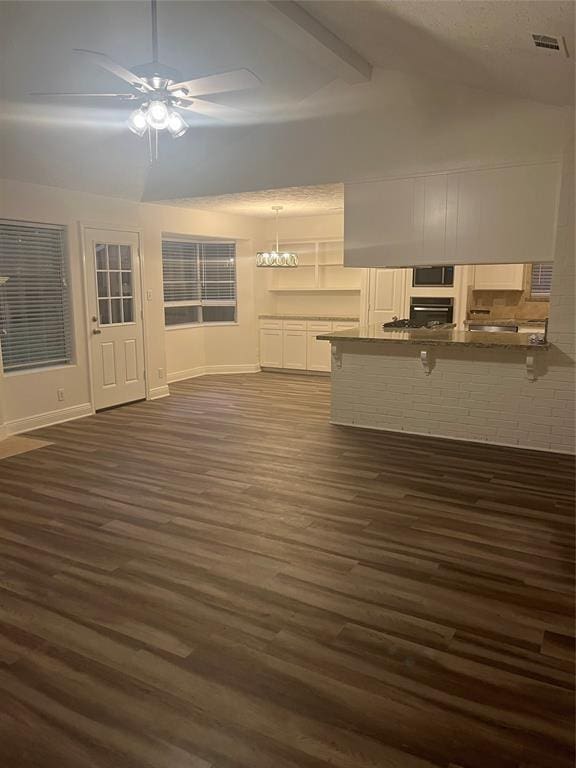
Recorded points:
(276, 258)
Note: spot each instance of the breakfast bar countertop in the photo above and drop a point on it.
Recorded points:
(431, 337)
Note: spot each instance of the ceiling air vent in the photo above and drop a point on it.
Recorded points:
(550, 43)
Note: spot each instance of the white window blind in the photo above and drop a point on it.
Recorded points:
(34, 302)
(541, 280)
(199, 281)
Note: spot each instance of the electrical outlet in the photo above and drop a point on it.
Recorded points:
(60, 393)
(160, 373)
(148, 295)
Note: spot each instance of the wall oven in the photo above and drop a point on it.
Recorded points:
(431, 310)
(432, 276)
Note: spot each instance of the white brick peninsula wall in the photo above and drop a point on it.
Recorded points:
(471, 393)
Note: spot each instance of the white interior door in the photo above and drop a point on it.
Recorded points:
(386, 292)
(115, 322)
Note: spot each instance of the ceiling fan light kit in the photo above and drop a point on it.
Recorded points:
(276, 258)
(159, 95)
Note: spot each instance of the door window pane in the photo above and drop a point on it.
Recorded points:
(101, 259)
(113, 257)
(116, 310)
(125, 257)
(115, 284)
(102, 284)
(104, 311)
(128, 313)
(126, 283)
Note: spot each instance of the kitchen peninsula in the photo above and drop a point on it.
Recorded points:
(488, 387)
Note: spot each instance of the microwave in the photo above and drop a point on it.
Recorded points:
(431, 276)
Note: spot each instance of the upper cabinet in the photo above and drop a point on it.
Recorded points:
(499, 277)
(499, 215)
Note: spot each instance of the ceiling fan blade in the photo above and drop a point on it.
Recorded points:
(210, 109)
(236, 80)
(101, 60)
(87, 95)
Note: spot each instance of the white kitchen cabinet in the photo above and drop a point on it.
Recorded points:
(499, 277)
(507, 215)
(271, 348)
(317, 353)
(294, 349)
(386, 294)
(495, 215)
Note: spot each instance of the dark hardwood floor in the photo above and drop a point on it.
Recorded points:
(223, 579)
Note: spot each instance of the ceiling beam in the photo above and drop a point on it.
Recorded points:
(323, 45)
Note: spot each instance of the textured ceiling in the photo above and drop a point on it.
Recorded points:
(482, 43)
(296, 201)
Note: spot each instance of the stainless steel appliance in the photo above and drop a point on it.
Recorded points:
(492, 328)
(431, 310)
(442, 276)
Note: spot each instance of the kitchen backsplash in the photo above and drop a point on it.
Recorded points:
(508, 305)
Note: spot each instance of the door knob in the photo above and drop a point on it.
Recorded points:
(96, 330)
(94, 319)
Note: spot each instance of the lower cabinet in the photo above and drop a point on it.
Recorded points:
(318, 353)
(292, 344)
(294, 350)
(271, 348)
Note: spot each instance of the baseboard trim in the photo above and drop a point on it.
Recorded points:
(456, 439)
(49, 418)
(207, 370)
(157, 392)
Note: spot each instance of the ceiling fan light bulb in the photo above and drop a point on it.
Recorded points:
(137, 122)
(177, 125)
(157, 115)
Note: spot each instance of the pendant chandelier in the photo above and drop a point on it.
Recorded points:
(276, 258)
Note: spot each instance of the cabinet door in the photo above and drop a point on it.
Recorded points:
(386, 295)
(379, 223)
(294, 350)
(499, 277)
(318, 353)
(507, 214)
(270, 348)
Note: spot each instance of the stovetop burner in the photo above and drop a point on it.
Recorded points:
(406, 323)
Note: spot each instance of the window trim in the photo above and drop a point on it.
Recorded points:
(200, 303)
(72, 362)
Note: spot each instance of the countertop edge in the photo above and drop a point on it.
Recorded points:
(335, 337)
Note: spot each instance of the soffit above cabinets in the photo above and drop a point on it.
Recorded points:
(489, 216)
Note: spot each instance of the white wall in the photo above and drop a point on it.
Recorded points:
(396, 125)
(29, 398)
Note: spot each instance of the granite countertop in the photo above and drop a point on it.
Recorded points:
(483, 320)
(337, 318)
(422, 336)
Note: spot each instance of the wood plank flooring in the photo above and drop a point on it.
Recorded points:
(222, 579)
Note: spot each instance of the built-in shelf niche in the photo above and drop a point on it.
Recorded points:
(320, 268)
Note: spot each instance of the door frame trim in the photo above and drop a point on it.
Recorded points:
(82, 228)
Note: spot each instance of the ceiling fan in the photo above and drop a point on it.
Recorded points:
(158, 92)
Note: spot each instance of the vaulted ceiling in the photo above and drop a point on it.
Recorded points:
(486, 45)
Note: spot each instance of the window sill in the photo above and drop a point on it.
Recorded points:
(187, 327)
(40, 369)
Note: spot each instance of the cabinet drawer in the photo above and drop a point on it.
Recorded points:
(319, 326)
(294, 325)
(344, 326)
(273, 325)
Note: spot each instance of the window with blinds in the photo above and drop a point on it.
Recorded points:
(199, 282)
(35, 328)
(541, 281)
